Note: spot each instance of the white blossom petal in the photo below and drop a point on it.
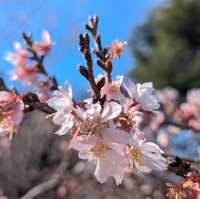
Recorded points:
(110, 111)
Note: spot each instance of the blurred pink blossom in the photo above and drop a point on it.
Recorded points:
(42, 47)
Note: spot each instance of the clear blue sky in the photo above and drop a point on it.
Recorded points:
(64, 19)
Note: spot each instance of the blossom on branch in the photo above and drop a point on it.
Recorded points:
(19, 57)
(26, 73)
(29, 66)
(117, 48)
(43, 46)
(62, 102)
(107, 128)
(146, 156)
(106, 133)
(11, 112)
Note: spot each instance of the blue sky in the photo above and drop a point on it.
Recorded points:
(64, 19)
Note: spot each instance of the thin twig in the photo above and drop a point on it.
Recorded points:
(32, 102)
(84, 43)
(104, 60)
(180, 166)
(38, 58)
(48, 185)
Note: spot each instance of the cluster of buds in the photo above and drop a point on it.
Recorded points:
(186, 188)
(28, 63)
(11, 112)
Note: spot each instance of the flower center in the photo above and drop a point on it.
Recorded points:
(97, 150)
(135, 155)
(126, 122)
(114, 87)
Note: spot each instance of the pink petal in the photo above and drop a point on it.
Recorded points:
(110, 111)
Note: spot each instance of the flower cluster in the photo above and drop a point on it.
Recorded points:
(11, 112)
(186, 187)
(108, 134)
(28, 63)
(107, 128)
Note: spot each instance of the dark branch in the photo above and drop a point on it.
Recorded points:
(180, 166)
(104, 60)
(84, 43)
(31, 102)
(3, 86)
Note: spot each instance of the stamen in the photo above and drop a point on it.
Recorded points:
(135, 155)
(98, 149)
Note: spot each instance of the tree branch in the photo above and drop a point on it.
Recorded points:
(32, 102)
(180, 166)
(104, 60)
(3, 86)
(50, 184)
(84, 43)
(39, 59)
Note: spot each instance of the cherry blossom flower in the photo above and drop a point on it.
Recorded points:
(17, 58)
(94, 117)
(116, 48)
(27, 74)
(11, 111)
(109, 159)
(175, 191)
(144, 95)
(129, 120)
(44, 45)
(146, 156)
(193, 181)
(62, 102)
(111, 88)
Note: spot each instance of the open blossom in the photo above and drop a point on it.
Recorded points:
(62, 102)
(192, 181)
(146, 156)
(116, 48)
(27, 74)
(17, 58)
(107, 133)
(108, 157)
(94, 117)
(111, 89)
(144, 95)
(175, 191)
(42, 47)
(11, 111)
